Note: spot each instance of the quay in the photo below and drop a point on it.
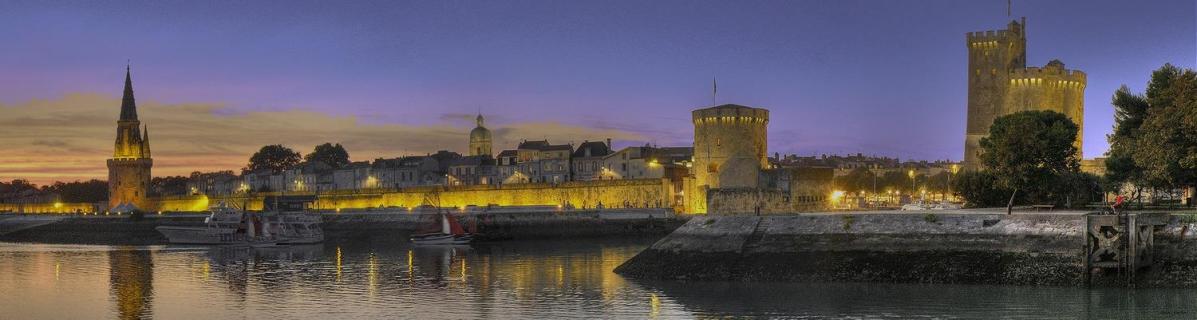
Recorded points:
(978, 246)
(493, 224)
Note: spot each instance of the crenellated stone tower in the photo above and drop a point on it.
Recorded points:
(129, 168)
(730, 146)
(1000, 83)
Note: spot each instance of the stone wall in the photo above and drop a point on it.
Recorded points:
(929, 247)
(49, 207)
(761, 201)
(611, 193)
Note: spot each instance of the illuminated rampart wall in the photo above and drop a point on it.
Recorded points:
(611, 193)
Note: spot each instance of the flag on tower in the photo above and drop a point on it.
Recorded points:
(714, 89)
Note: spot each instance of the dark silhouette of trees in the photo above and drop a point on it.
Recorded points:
(334, 156)
(275, 158)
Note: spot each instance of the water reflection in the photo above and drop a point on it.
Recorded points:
(131, 279)
(505, 280)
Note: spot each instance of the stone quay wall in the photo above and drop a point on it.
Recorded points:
(636, 193)
(881, 247)
(530, 223)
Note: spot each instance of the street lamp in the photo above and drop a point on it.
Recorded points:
(911, 174)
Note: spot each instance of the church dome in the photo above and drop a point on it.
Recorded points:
(480, 133)
(480, 143)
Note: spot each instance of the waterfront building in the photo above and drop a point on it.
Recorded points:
(129, 168)
(471, 170)
(405, 171)
(354, 176)
(647, 162)
(1000, 83)
(586, 163)
(213, 183)
(541, 162)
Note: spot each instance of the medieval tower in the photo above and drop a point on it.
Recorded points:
(1000, 83)
(480, 141)
(129, 168)
(730, 144)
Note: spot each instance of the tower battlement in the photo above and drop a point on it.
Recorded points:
(988, 36)
(730, 113)
(1050, 74)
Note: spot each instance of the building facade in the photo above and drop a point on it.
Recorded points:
(129, 168)
(587, 161)
(1000, 83)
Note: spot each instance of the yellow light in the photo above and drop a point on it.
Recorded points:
(836, 195)
(57, 205)
(910, 173)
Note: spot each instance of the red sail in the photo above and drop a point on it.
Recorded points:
(454, 227)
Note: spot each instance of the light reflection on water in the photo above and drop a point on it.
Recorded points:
(515, 280)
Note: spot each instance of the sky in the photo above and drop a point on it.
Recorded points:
(216, 80)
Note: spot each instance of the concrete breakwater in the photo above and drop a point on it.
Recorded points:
(122, 230)
(963, 246)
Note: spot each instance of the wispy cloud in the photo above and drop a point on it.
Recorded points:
(70, 137)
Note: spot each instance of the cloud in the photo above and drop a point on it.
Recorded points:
(70, 137)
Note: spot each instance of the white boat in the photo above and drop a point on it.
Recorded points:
(231, 226)
(450, 233)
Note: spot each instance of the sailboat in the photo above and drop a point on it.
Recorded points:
(450, 233)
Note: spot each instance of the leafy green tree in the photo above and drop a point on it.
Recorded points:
(857, 180)
(1164, 148)
(939, 183)
(1026, 150)
(334, 156)
(897, 180)
(275, 158)
(979, 189)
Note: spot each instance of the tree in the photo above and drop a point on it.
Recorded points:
(857, 180)
(80, 191)
(939, 183)
(1026, 150)
(1164, 149)
(169, 186)
(334, 156)
(275, 158)
(979, 189)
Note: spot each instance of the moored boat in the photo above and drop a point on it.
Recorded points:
(449, 233)
(226, 225)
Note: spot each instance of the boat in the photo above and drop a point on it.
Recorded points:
(227, 225)
(450, 233)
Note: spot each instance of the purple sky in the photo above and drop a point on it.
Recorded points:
(878, 77)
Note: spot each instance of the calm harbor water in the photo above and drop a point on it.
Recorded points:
(507, 280)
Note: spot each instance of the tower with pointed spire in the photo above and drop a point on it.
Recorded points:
(480, 140)
(129, 168)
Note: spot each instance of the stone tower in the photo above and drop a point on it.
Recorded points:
(730, 146)
(129, 168)
(480, 141)
(1000, 83)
